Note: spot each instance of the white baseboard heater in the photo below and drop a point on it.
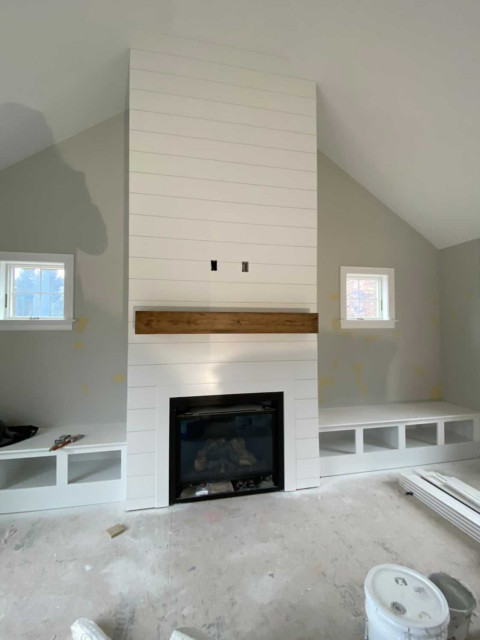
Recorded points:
(456, 501)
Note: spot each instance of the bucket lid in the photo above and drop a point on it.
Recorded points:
(405, 597)
(459, 596)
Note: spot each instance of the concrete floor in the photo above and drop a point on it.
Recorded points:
(265, 567)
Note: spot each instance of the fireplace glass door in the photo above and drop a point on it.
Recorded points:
(225, 445)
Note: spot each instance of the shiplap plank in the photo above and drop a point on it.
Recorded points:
(307, 428)
(175, 207)
(208, 51)
(221, 292)
(176, 85)
(220, 306)
(307, 448)
(218, 72)
(306, 408)
(308, 468)
(226, 131)
(141, 419)
(222, 251)
(225, 191)
(140, 464)
(221, 112)
(142, 354)
(141, 487)
(173, 165)
(142, 398)
(157, 227)
(211, 372)
(228, 152)
(227, 271)
(140, 441)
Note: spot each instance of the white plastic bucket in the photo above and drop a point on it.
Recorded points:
(401, 604)
(461, 602)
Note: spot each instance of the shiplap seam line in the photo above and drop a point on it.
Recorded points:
(237, 124)
(248, 204)
(227, 84)
(248, 224)
(243, 224)
(293, 284)
(226, 64)
(245, 164)
(247, 184)
(245, 144)
(257, 244)
(233, 104)
(251, 263)
(147, 301)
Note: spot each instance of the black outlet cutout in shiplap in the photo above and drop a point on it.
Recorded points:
(213, 265)
(244, 267)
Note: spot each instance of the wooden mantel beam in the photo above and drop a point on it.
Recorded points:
(149, 322)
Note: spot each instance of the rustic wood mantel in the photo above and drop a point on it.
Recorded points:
(149, 322)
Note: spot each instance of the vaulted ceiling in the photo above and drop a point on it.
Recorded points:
(398, 80)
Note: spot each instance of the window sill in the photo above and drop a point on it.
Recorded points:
(367, 324)
(36, 325)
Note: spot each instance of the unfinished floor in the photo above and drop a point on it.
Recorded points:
(274, 566)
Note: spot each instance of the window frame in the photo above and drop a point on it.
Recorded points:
(8, 259)
(388, 291)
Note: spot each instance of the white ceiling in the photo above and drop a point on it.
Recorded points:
(399, 83)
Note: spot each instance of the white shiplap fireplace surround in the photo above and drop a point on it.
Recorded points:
(222, 167)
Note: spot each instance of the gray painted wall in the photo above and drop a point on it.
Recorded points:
(364, 366)
(460, 323)
(70, 198)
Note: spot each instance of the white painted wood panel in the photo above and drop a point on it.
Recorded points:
(161, 375)
(141, 419)
(225, 191)
(306, 388)
(218, 92)
(221, 291)
(208, 51)
(307, 428)
(140, 464)
(221, 112)
(226, 131)
(308, 468)
(140, 442)
(306, 408)
(307, 483)
(140, 487)
(157, 227)
(173, 165)
(227, 271)
(219, 72)
(222, 251)
(228, 152)
(141, 354)
(307, 448)
(145, 398)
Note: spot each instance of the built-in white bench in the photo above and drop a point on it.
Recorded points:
(90, 471)
(370, 438)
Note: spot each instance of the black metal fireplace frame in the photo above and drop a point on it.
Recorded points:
(182, 404)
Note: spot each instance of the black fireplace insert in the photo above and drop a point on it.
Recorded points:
(225, 446)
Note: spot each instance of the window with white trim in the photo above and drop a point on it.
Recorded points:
(367, 296)
(36, 291)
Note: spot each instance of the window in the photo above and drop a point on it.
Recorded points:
(367, 298)
(36, 291)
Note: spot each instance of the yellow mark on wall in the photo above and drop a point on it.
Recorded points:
(436, 393)
(454, 315)
(321, 397)
(420, 371)
(118, 378)
(78, 345)
(372, 338)
(434, 321)
(326, 381)
(333, 296)
(358, 370)
(363, 390)
(85, 389)
(80, 324)
(336, 324)
(397, 333)
(469, 296)
(335, 364)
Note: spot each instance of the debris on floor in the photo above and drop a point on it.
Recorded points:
(456, 501)
(116, 530)
(85, 629)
